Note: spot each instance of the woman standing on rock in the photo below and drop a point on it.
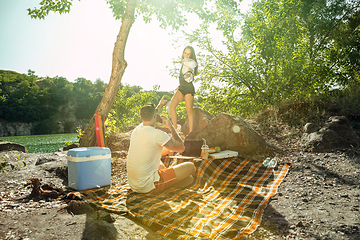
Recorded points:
(186, 90)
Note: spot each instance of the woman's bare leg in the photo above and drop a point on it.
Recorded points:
(176, 99)
(189, 99)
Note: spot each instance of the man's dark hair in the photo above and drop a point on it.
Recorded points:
(147, 112)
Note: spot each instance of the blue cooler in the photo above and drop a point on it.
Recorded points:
(89, 167)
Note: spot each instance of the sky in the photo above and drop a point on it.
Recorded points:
(81, 43)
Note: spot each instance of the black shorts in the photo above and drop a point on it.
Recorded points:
(187, 88)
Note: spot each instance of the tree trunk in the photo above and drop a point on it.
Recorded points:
(118, 68)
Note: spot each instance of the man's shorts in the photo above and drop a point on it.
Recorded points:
(167, 179)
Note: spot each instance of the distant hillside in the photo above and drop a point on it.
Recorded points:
(52, 104)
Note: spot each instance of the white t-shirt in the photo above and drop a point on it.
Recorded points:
(188, 66)
(144, 155)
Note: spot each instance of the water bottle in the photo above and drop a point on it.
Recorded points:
(272, 163)
(266, 161)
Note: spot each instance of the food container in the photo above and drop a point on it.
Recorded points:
(89, 167)
(224, 154)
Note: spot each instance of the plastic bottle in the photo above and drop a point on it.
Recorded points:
(266, 161)
(272, 163)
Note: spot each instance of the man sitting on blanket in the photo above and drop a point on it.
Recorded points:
(145, 170)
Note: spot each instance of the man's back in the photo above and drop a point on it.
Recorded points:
(144, 157)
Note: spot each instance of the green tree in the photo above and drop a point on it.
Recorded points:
(87, 96)
(127, 104)
(344, 53)
(168, 13)
(284, 51)
(21, 98)
(60, 91)
(27, 98)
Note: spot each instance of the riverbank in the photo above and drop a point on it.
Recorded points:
(319, 199)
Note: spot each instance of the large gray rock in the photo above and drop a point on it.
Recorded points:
(10, 146)
(71, 146)
(14, 128)
(311, 127)
(230, 132)
(337, 133)
(201, 119)
(118, 141)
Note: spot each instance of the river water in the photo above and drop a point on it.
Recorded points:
(43, 143)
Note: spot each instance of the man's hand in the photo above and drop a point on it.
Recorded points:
(166, 122)
(162, 102)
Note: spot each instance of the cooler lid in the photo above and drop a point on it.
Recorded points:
(88, 151)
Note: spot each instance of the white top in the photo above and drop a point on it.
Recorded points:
(144, 155)
(188, 66)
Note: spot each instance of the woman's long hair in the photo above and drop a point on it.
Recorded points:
(192, 56)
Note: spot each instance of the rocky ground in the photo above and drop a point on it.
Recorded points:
(319, 199)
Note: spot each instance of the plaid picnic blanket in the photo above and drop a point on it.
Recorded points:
(226, 201)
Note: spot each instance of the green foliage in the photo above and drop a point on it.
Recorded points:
(79, 131)
(22, 98)
(126, 107)
(318, 109)
(45, 126)
(168, 13)
(28, 98)
(48, 6)
(279, 52)
(68, 127)
(87, 97)
(125, 111)
(181, 110)
(6, 163)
